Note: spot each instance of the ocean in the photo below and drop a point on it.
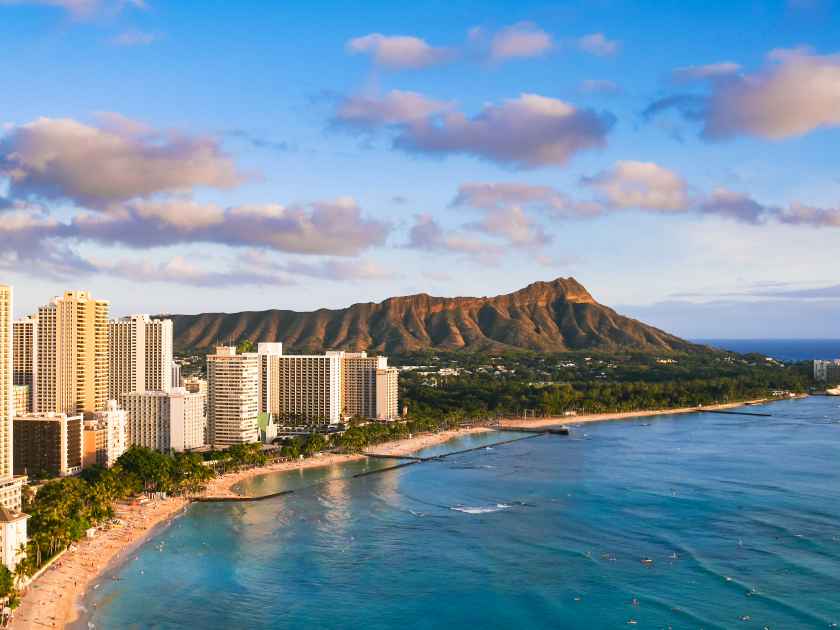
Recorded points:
(780, 349)
(691, 521)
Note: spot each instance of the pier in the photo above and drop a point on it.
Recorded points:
(737, 413)
(404, 460)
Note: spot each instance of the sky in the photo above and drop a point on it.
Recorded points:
(678, 159)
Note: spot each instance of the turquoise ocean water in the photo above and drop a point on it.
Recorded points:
(695, 521)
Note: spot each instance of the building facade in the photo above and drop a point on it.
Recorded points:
(72, 361)
(25, 355)
(233, 393)
(165, 421)
(139, 355)
(827, 371)
(10, 485)
(104, 438)
(48, 444)
(305, 388)
(387, 393)
(359, 384)
(23, 398)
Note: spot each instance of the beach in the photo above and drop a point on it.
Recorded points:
(553, 421)
(51, 600)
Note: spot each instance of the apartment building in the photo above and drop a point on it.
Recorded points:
(139, 355)
(358, 384)
(10, 485)
(387, 393)
(305, 388)
(25, 355)
(233, 397)
(165, 421)
(72, 355)
(48, 443)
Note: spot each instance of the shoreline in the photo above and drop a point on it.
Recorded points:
(551, 421)
(55, 599)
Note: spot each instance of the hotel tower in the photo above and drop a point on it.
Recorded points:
(72, 372)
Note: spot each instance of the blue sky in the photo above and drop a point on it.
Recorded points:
(676, 158)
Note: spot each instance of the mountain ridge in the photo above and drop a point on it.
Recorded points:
(554, 316)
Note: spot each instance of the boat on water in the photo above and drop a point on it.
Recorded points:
(834, 391)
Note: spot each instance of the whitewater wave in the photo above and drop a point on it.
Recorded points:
(481, 509)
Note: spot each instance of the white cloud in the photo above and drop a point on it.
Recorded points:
(797, 92)
(399, 52)
(120, 159)
(396, 107)
(520, 40)
(643, 185)
(598, 44)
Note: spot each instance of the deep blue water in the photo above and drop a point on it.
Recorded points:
(780, 349)
(739, 515)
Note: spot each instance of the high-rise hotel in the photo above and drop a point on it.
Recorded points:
(25, 358)
(72, 363)
(139, 355)
(233, 397)
(12, 521)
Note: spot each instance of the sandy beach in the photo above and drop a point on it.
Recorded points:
(51, 600)
(424, 440)
(553, 421)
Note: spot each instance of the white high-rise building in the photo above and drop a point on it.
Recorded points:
(159, 355)
(359, 384)
(10, 486)
(233, 397)
(25, 355)
(305, 388)
(165, 421)
(140, 355)
(72, 363)
(387, 393)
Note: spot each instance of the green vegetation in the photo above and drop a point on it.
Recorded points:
(63, 509)
(546, 384)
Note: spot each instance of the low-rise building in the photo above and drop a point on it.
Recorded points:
(105, 436)
(165, 421)
(12, 536)
(47, 444)
(827, 371)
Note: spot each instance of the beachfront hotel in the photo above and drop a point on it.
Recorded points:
(233, 397)
(48, 443)
(325, 388)
(25, 357)
(139, 355)
(72, 361)
(167, 421)
(10, 485)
